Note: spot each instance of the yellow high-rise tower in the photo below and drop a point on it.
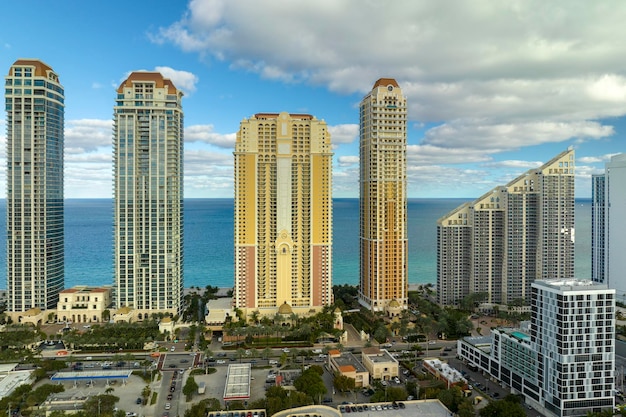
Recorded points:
(383, 228)
(283, 214)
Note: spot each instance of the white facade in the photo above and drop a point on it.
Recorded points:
(608, 230)
(573, 333)
(148, 195)
(564, 365)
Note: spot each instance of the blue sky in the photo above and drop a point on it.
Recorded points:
(494, 88)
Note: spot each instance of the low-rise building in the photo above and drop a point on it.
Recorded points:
(444, 372)
(379, 363)
(348, 365)
(219, 311)
(82, 304)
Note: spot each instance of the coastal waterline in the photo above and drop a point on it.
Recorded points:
(209, 241)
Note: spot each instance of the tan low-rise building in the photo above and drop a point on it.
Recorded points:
(348, 365)
(82, 304)
(380, 363)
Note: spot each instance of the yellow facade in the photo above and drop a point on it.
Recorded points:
(283, 214)
(383, 232)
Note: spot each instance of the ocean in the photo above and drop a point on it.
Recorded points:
(209, 241)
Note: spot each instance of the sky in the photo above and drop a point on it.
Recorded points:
(494, 87)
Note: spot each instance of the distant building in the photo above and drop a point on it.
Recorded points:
(564, 361)
(383, 200)
(500, 243)
(148, 195)
(608, 242)
(283, 215)
(34, 103)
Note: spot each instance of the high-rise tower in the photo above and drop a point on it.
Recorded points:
(383, 225)
(608, 240)
(35, 240)
(500, 243)
(148, 200)
(283, 214)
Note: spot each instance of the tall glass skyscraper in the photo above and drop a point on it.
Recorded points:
(383, 201)
(148, 200)
(34, 101)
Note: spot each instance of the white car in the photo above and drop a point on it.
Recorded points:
(168, 406)
(286, 350)
(220, 362)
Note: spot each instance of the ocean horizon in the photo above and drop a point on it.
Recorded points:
(209, 248)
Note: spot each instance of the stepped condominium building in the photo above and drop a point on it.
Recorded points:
(500, 243)
(148, 195)
(608, 240)
(34, 102)
(283, 214)
(563, 361)
(383, 201)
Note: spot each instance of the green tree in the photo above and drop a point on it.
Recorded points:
(503, 408)
(466, 409)
(389, 394)
(190, 388)
(343, 383)
(102, 405)
(39, 395)
(312, 384)
(451, 398)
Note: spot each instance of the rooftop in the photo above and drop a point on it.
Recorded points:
(237, 382)
(348, 359)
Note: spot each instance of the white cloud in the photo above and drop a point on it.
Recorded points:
(497, 137)
(183, 80)
(346, 133)
(518, 165)
(348, 161)
(205, 133)
(494, 74)
(432, 155)
(594, 159)
(87, 135)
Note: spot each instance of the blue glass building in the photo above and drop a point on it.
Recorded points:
(34, 103)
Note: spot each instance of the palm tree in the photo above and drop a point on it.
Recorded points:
(294, 320)
(254, 316)
(267, 352)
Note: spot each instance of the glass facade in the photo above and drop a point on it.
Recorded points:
(35, 211)
(148, 203)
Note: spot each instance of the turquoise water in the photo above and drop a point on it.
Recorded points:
(209, 241)
(521, 336)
